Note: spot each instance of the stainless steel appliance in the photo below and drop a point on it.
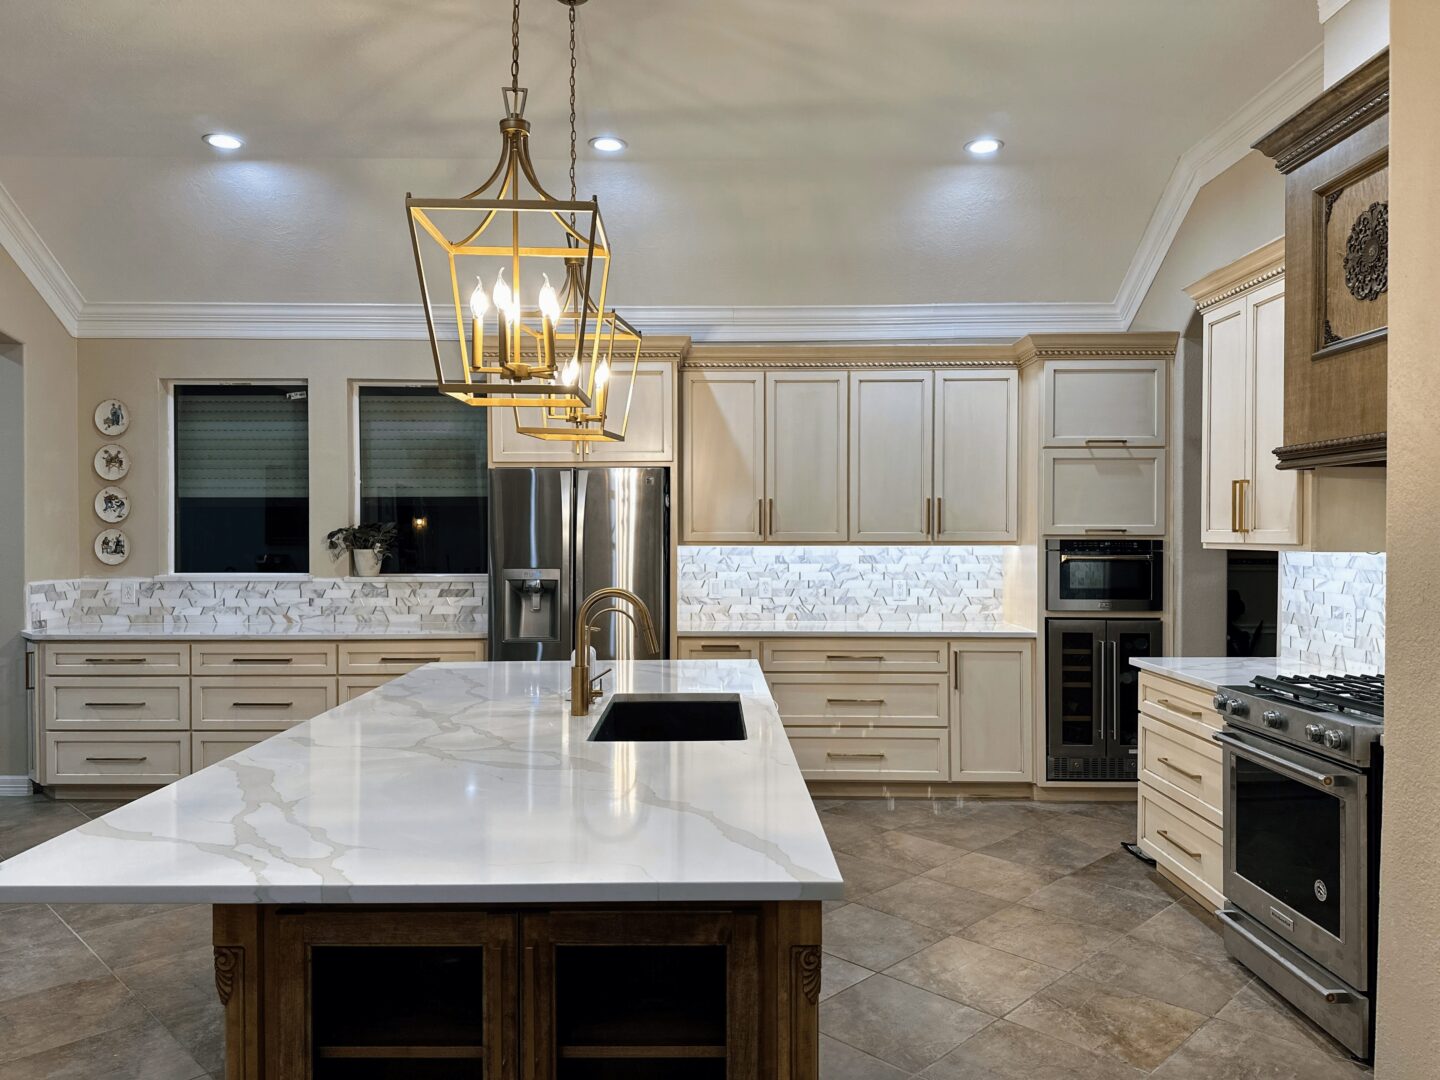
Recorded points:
(1092, 696)
(557, 535)
(1105, 575)
(1303, 766)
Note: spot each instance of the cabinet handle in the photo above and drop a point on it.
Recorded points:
(531, 1013)
(29, 671)
(855, 757)
(1166, 703)
(1107, 530)
(927, 518)
(1183, 772)
(1244, 492)
(760, 518)
(854, 656)
(1176, 844)
(770, 524)
(262, 704)
(1107, 442)
(409, 659)
(114, 659)
(262, 659)
(114, 704)
(854, 701)
(956, 681)
(118, 760)
(939, 517)
(721, 648)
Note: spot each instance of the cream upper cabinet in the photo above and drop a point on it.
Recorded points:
(991, 718)
(806, 421)
(1104, 403)
(1097, 491)
(509, 447)
(650, 432)
(723, 457)
(890, 457)
(1248, 502)
(977, 456)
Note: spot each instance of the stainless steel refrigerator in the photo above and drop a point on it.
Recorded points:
(557, 535)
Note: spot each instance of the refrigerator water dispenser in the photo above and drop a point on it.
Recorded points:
(532, 605)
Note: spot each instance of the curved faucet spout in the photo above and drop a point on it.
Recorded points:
(581, 692)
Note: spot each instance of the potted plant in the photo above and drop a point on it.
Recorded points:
(369, 543)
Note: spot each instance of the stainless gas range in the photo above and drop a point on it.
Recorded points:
(1303, 763)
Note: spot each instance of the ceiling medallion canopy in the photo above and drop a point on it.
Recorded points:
(482, 258)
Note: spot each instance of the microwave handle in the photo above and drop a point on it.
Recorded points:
(1064, 558)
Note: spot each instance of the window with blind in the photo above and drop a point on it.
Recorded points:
(423, 466)
(242, 479)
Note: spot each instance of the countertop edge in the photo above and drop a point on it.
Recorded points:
(771, 631)
(279, 634)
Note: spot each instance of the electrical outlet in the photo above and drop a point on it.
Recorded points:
(897, 588)
(1350, 624)
(129, 593)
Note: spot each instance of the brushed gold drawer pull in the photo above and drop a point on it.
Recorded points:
(115, 704)
(1176, 844)
(1181, 709)
(1107, 530)
(721, 648)
(855, 757)
(262, 659)
(117, 760)
(939, 517)
(927, 517)
(262, 704)
(854, 656)
(1107, 442)
(114, 659)
(854, 701)
(410, 659)
(1197, 777)
(760, 515)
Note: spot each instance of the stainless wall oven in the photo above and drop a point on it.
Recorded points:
(1105, 575)
(1302, 818)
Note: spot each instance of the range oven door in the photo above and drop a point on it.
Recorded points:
(1087, 580)
(1296, 828)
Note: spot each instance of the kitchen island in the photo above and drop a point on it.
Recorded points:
(447, 878)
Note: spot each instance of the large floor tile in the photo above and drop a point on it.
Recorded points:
(83, 918)
(839, 1061)
(40, 967)
(837, 975)
(976, 975)
(1186, 926)
(1006, 1051)
(872, 938)
(1037, 935)
(903, 851)
(934, 903)
(968, 831)
(93, 808)
(143, 1051)
(844, 831)
(1041, 848)
(30, 926)
(1102, 832)
(986, 874)
(1133, 1028)
(1093, 902)
(1223, 1051)
(33, 823)
(45, 1019)
(161, 933)
(863, 877)
(899, 1023)
(1193, 982)
(179, 990)
(885, 813)
(1258, 1008)
(1122, 870)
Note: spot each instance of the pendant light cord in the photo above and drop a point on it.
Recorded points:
(515, 48)
(572, 101)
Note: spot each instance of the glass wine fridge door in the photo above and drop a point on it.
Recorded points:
(1077, 687)
(1295, 850)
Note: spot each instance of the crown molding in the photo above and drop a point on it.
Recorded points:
(890, 356)
(901, 322)
(38, 263)
(1141, 345)
(1256, 268)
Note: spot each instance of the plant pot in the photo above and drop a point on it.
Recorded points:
(367, 563)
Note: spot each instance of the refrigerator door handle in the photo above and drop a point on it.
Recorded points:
(1101, 695)
(1114, 693)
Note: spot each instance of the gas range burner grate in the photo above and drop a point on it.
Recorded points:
(1361, 694)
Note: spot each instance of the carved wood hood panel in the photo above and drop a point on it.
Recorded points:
(1335, 157)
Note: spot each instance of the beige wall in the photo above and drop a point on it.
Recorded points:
(136, 371)
(1409, 982)
(1353, 34)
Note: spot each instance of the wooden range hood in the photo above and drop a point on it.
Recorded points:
(1335, 154)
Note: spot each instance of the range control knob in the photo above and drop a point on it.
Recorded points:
(1220, 702)
(1273, 718)
(1314, 732)
(1335, 739)
(1238, 707)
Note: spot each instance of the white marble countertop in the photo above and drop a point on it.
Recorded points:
(94, 630)
(1212, 672)
(937, 627)
(465, 783)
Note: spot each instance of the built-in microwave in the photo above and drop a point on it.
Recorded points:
(1105, 575)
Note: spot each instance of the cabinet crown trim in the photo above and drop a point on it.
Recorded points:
(1265, 263)
(1358, 99)
(1158, 345)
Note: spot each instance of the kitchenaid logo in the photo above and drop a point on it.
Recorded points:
(1321, 892)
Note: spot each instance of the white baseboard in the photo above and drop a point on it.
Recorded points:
(14, 785)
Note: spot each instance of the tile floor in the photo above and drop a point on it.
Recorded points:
(979, 940)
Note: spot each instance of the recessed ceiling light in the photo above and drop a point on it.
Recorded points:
(984, 147)
(608, 144)
(222, 141)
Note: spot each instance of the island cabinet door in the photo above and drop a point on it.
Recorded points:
(428, 994)
(640, 993)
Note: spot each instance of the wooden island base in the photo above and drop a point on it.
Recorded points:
(520, 992)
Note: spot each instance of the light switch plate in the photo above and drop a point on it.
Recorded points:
(129, 592)
(1350, 624)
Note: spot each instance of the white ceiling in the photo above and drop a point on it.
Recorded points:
(782, 152)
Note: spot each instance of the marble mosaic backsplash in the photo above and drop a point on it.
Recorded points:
(802, 584)
(1332, 609)
(329, 603)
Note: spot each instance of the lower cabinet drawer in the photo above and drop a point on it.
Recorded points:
(258, 703)
(290, 657)
(131, 758)
(718, 649)
(855, 654)
(143, 703)
(1189, 847)
(112, 658)
(860, 700)
(1186, 768)
(398, 657)
(208, 747)
(891, 754)
(352, 686)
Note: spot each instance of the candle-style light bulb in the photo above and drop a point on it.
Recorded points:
(571, 375)
(504, 299)
(549, 301)
(602, 374)
(479, 302)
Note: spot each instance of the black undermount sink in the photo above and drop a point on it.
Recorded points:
(670, 718)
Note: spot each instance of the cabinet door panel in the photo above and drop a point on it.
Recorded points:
(1273, 510)
(805, 456)
(977, 455)
(650, 431)
(1105, 401)
(1226, 432)
(890, 483)
(1100, 491)
(992, 715)
(723, 457)
(509, 447)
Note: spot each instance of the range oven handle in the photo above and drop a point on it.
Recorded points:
(1334, 995)
(1276, 762)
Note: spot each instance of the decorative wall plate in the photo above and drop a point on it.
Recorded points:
(111, 462)
(112, 417)
(112, 504)
(112, 546)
